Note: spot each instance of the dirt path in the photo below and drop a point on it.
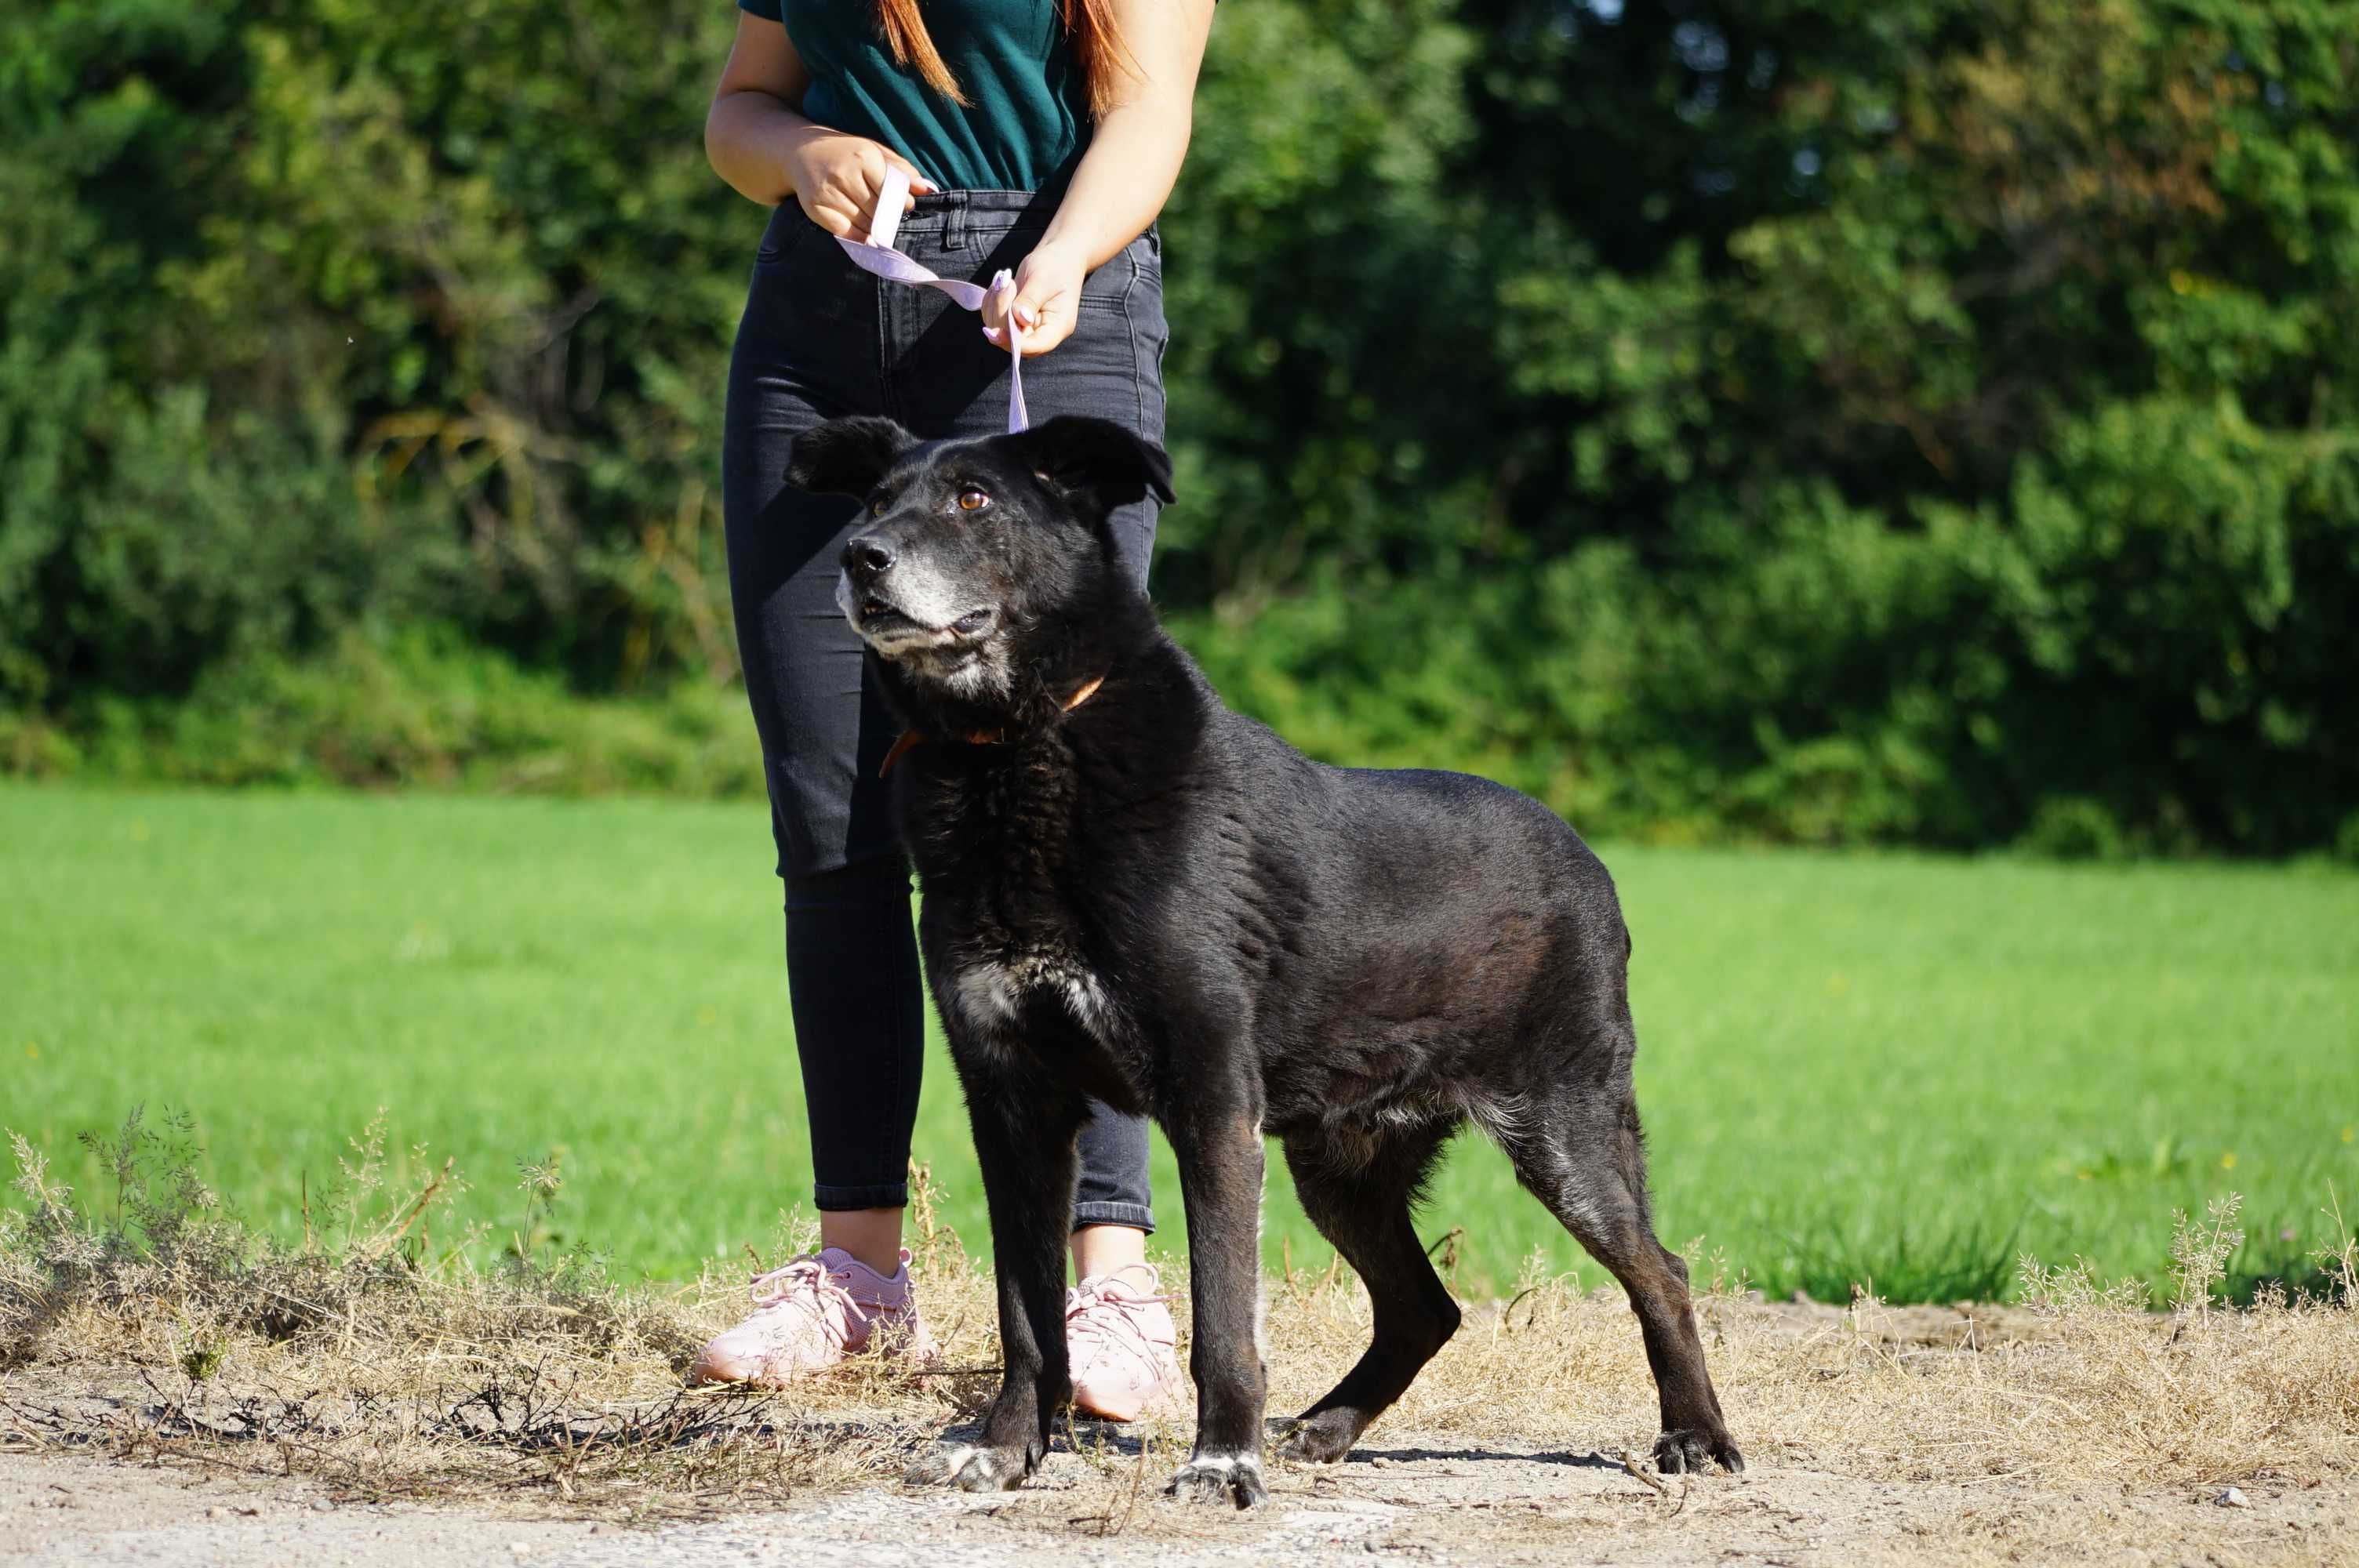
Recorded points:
(1400, 1499)
(557, 1433)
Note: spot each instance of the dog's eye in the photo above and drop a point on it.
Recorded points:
(877, 507)
(972, 500)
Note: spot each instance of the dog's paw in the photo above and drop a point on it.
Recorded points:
(1233, 1478)
(1315, 1439)
(1693, 1450)
(969, 1468)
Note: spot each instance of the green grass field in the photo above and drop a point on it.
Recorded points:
(1877, 1068)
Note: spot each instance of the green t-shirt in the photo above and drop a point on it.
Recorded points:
(1028, 118)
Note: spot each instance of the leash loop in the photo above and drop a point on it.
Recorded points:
(878, 256)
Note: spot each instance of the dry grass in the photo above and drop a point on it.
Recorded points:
(2080, 1387)
(161, 1332)
(157, 1330)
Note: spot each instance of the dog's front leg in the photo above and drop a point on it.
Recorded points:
(1024, 1134)
(1220, 1151)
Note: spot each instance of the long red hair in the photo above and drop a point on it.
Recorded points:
(1097, 47)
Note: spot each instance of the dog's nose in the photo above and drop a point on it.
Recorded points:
(867, 559)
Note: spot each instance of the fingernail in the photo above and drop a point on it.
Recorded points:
(1025, 317)
(991, 333)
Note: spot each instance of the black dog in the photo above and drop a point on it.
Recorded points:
(1133, 893)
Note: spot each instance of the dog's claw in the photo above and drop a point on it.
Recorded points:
(1220, 1478)
(968, 1468)
(1693, 1450)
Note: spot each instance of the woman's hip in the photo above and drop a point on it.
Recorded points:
(821, 337)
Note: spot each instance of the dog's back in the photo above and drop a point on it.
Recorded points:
(1407, 935)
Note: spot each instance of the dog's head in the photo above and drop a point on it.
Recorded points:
(971, 548)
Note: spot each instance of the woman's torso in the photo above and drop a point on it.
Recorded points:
(1026, 116)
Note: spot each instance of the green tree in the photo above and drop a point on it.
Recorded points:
(1920, 422)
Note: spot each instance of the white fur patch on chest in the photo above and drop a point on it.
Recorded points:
(992, 992)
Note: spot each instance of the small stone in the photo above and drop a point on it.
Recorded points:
(217, 1512)
(1381, 1462)
(2232, 1498)
(323, 1506)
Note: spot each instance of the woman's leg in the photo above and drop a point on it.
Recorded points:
(947, 380)
(806, 351)
(1113, 1210)
(859, 1030)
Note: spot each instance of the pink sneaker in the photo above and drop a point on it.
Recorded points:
(811, 1315)
(1119, 1338)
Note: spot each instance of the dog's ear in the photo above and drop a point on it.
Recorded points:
(1097, 457)
(846, 457)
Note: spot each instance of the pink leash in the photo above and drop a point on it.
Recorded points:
(879, 257)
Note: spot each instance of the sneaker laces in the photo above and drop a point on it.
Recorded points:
(1088, 1329)
(805, 1284)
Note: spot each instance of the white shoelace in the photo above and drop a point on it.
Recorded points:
(1088, 1329)
(805, 1284)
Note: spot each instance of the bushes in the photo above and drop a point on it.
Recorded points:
(2124, 658)
(424, 709)
(1926, 422)
(317, 315)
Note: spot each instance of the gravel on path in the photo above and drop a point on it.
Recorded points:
(1396, 1500)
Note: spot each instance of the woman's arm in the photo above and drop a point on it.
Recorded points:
(757, 138)
(1125, 177)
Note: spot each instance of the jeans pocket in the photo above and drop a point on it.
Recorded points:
(788, 226)
(1108, 289)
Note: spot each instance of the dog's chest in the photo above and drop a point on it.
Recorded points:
(997, 852)
(998, 993)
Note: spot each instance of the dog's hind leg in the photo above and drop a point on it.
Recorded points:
(1364, 1209)
(1024, 1130)
(1582, 1157)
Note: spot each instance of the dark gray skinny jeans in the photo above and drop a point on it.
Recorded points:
(820, 339)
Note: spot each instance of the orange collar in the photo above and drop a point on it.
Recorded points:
(911, 738)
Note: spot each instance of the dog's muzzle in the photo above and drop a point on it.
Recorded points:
(895, 618)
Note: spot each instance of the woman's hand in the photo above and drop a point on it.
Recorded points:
(760, 142)
(1048, 299)
(837, 176)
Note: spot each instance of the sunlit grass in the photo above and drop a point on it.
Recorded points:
(1880, 1068)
